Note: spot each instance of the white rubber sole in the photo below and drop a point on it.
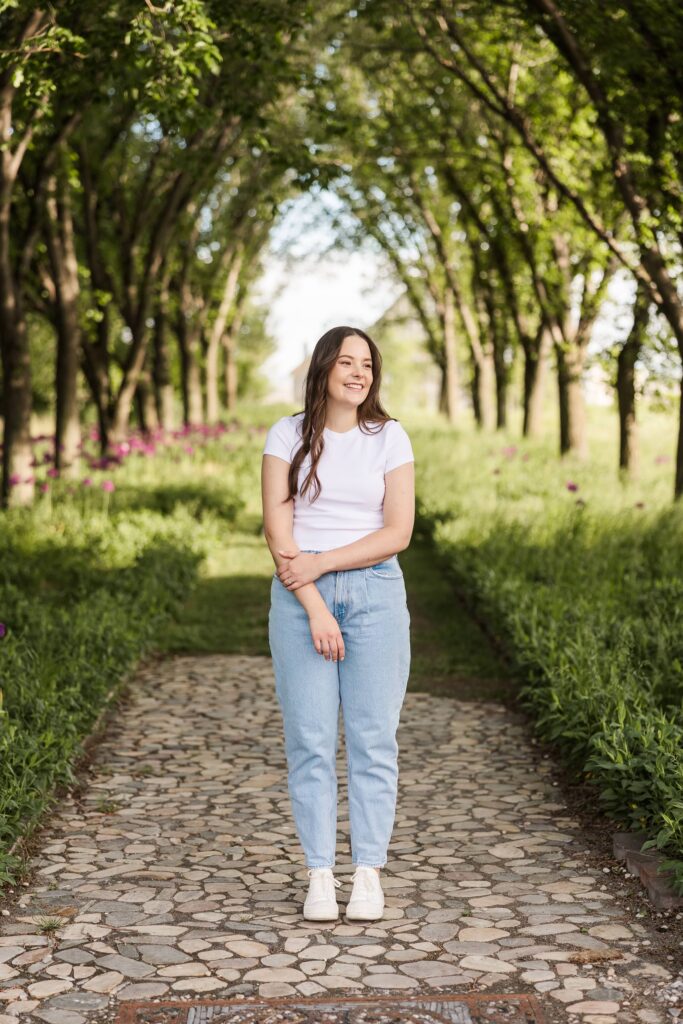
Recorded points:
(321, 913)
(363, 912)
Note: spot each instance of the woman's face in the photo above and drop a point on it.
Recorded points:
(353, 367)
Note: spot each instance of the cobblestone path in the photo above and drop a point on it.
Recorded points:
(178, 871)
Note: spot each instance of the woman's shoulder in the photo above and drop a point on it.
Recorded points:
(282, 437)
(386, 428)
(289, 423)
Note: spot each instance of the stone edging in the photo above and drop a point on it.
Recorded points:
(644, 864)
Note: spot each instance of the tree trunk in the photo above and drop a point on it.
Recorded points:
(216, 335)
(678, 489)
(64, 268)
(17, 456)
(230, 362)
(126, 395)
(500, 373)
(626, 384)
(189, 342)
(163, 386)
(213, 405)
(573, 435)
(145, 399)
(451, 373)
(535, 376)
(95, 360)
(483, 397)
(442, 402)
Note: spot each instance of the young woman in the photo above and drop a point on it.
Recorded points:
(338, 504)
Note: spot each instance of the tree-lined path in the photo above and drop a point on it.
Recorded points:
(177, 872)
(514, 172)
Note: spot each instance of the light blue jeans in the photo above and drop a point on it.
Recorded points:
(369, 684)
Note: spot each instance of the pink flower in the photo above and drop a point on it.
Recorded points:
(571, 486)
(44, 487)
(86, 481)
(14, 479)
(108, 486)
(53, 472)
(3, 630)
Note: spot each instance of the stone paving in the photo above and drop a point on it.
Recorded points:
(178, 872)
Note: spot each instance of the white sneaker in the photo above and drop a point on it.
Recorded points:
(367, 897)
(321, 902)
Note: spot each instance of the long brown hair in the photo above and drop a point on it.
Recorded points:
(370, 410)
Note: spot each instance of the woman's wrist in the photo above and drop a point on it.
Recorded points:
(323, 561)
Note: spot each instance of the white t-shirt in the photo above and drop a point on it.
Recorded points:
(351, 472)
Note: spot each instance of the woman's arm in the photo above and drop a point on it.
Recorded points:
(278, 517)
(394, 536)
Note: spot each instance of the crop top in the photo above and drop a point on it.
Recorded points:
(351, 473)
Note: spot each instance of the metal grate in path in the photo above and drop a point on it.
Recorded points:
(440, 1009)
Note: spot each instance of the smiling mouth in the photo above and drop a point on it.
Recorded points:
(355, 387)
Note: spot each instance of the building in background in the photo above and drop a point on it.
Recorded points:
(411, 381)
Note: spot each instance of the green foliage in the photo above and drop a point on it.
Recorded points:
(83, 594)
(585, 588)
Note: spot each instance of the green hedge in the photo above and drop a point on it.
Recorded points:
(586, 595)
(82, 595)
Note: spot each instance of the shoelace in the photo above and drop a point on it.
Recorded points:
(321, 876)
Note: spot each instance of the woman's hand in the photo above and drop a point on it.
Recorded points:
(327, 637)
(299, 569)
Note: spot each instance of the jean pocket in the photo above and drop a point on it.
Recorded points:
(389, 569)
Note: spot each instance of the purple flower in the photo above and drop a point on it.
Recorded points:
(14, 479)
(44, 487)
(86, 481)
(108, 486)
(53, 472)
(571, 486)
(3, 630)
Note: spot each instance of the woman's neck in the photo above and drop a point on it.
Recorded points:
(340, 420)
